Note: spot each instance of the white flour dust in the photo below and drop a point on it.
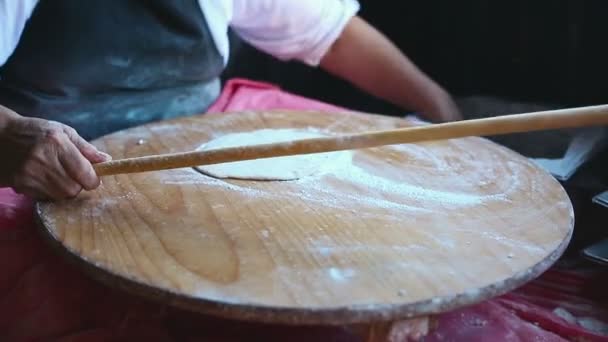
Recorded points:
(459, 179)
(360, 176)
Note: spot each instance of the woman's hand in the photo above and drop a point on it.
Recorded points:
(442, 108)
(45, 159)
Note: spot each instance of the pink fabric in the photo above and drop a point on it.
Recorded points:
(44, 299)
(242, 94)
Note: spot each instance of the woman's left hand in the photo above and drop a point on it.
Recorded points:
(442, 109)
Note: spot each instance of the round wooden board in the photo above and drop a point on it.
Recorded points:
(396, 232)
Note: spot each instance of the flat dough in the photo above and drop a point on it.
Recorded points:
(278, 168)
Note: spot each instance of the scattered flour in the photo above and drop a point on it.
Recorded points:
(376, 191)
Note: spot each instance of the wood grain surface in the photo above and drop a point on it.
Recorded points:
(391, 233)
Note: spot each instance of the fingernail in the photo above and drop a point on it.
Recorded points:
(105, 156)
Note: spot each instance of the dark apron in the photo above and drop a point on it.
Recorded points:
(105, 65)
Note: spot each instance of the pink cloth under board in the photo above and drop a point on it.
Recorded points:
(44, 299)
(242, 94)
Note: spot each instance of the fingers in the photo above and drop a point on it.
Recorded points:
(60, 188)
(47, 160)
(33, 189)
(49, 187)
(89, 151)
(61, 184)
(446, 111)
(73, 166)
(43, 177)
(39, 187)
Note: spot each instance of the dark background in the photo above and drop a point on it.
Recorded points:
(494, 57)
(545, 51)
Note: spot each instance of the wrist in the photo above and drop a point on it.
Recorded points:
(440, 106)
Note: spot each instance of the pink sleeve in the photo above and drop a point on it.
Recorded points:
(292, 29)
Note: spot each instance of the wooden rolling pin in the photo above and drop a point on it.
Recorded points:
(515, 123)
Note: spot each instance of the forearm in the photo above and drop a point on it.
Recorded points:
(368, 60)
